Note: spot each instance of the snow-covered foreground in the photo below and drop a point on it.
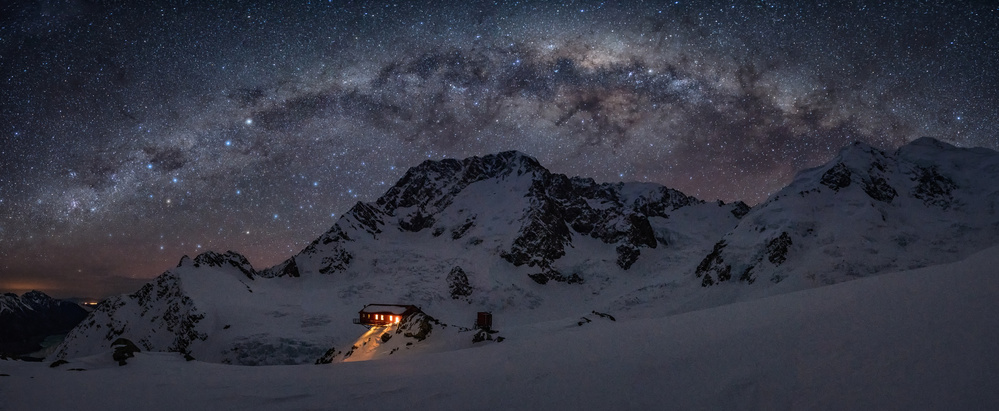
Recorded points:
(922, 339)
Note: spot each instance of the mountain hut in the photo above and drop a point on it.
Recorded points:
(384, 314)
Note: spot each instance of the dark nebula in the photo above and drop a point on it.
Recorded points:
(132, 134)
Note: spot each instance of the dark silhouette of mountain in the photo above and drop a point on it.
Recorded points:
(25, 321)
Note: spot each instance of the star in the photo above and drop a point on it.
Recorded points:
(236, 116)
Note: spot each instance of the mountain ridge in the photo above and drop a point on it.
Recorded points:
(27, 319)
(531, 245)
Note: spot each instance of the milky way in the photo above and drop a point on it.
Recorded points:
(134, 134)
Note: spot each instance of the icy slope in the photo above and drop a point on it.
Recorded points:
(921, 339)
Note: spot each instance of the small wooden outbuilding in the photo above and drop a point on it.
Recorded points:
(484, 320)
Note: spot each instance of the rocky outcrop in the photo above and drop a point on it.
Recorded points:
(160, 316)
(229, 258)
(934, 189)
(457, 284)
(837, 177)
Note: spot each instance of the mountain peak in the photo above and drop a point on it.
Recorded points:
(859, 152)
(27, 319)
(508, 159)
(214, 259)
(474, 168)
(431, 185)
(930, 142)
(527, 214)
(36, 298)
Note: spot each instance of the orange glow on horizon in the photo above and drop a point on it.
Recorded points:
(21, 287)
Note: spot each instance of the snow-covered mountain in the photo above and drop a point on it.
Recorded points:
(863, 213)
(27, 319)
(508, 205)
(501, 233)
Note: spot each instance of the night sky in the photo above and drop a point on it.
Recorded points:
(131, 135)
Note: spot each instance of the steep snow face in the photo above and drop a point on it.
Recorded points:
(865, 212)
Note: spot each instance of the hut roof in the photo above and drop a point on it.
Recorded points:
(387, 308)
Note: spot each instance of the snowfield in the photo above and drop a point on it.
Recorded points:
(867, 283)
(918, 339)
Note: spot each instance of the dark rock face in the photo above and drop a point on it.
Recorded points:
(713, 263)
(328, 357)
(879, 189)
(179, 315)
(777, 249)
(553, 275)
(459, 232)
(740, 210)
(123, 350)
(290, 269)
(747, 275)
(933, 188)
(837, 177)
(714, 270)
(457, 283)
(368, 217)
(431, 187)
(230, 258)
(416, 221)
(417, 326)
(872, 182)
(563, 203)
(337, 258)
(162, 302)
(336, 261)
(626, 256)
(26, 320)
(542, 239)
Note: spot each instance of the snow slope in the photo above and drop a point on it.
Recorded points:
(919, 339)
(865, 212)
